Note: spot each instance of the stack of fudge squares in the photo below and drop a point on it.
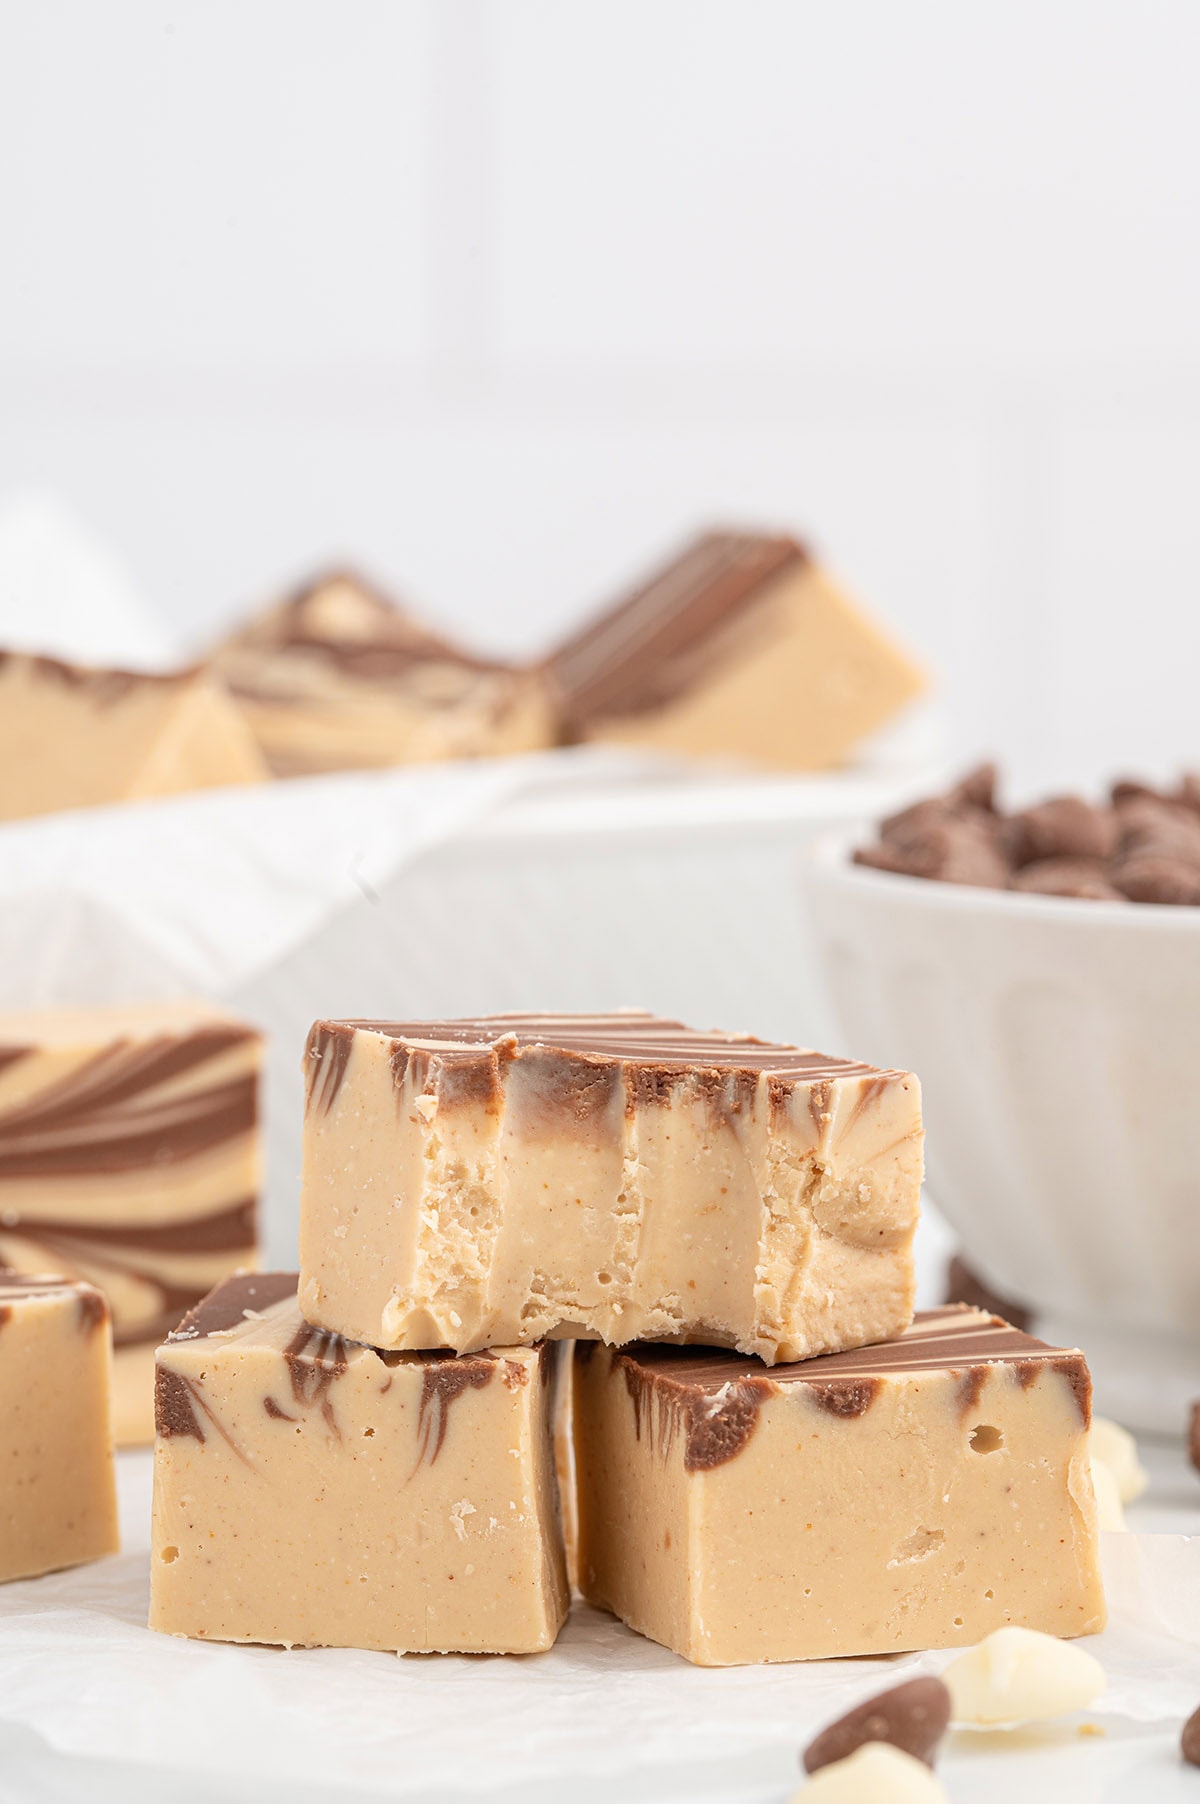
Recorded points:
(691, 1253)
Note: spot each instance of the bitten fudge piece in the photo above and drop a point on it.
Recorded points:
(477, 1183)
(129, 1156)
(73, 737)
(338, 677)
(911, 1495)
(309, 1491)
(58, 1504)
(741, 647)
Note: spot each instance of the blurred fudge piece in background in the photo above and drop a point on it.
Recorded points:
(129, 1156)
(74, 736)
(741, 647)
(339, 677)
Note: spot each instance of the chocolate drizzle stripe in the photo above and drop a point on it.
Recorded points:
(632, 1039)
(715, 1425)
(133, 1138)
(650, 647)
(124, 1070)
(444, 1378)
(230, 1229)
(940, 1340)
(326, 1057)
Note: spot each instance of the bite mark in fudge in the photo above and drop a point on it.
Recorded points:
(917, 1493)
(129, 1156)
(742, 647)
(309, 1490)
(498, 1180)
(57, 1496)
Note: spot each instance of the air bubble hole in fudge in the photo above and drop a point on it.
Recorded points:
(986, 1439)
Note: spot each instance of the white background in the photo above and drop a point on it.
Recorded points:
(501, 296)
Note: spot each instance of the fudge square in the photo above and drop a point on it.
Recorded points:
(917, 1494)
(58, 1503)
(488, 1182)
(129, 1156)
(312, 1492)
(742, 647)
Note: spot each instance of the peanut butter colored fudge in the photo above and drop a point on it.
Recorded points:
(129, 1156)
(486, 1182)
(308, 1491)
(338, 677)
(741, 647)
(58, 1504)
(916, 1494)
(73, 737)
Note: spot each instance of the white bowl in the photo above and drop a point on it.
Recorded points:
(1058, 1047)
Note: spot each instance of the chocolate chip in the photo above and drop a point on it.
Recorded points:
(1189, 790)
(978, 788)
(944, 847)
(1125, 789)
(916, 820)
(912, 1717)
(1080, 877)
(1165, 828)
(1155, 877)
(1189, 1741)
(1068, 827)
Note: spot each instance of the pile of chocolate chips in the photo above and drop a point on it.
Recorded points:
(1142, 845)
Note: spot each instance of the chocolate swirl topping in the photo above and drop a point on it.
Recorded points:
(105, 1117)
(660, 641)
(581, 1066)
(714, 1396)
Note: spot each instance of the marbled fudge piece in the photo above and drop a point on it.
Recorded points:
(58, 1503)
(916, 1494)
(338, 677)
(129, 1156)
(73, 736)
(472, 1183)
(309, 1491)
(741, 647)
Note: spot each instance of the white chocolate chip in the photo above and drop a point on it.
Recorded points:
(1109, 1513)
(426, 1107)
(1118, 1449)
(1021, 1676)
(876, 1773)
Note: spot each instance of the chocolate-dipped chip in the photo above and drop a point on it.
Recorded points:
(1083, 878)
(1068, 827)
(1155, 877)
(912, 1717)
(1189, 1741)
